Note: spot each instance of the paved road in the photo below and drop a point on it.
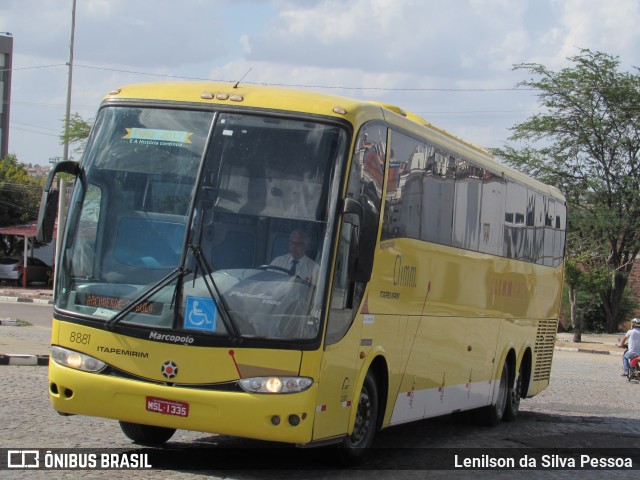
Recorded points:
(36, 314)
(587, 406)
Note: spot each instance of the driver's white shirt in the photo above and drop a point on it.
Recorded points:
(306, 269)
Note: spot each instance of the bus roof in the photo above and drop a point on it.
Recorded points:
(247, 95)
(308, 101)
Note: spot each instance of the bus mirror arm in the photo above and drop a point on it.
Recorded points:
(49, 200)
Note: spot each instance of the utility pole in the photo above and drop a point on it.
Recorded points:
(62, 186)
(67, 117)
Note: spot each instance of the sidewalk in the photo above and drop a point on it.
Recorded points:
(41, 294)
(603, 343)
(29, 345)
(20, 343)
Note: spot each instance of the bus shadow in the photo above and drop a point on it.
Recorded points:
(424, 445)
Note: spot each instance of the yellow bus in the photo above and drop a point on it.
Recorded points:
(426, 281)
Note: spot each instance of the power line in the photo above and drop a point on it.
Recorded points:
(34, 131)
(17, 207)
(33, 126)
(329, 87)
(32, 68)
(45, 104)
(431, 115)
(518, 88)
(18, 186)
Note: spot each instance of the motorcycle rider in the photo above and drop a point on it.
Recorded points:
(632, 340)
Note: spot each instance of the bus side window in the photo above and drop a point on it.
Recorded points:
(83, 260)
(342, 299)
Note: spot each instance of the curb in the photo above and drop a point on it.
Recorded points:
(24, 360)
(7, 322)
(41, 301)
(586, 350)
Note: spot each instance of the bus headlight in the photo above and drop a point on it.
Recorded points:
(275, 384)
(76, 360)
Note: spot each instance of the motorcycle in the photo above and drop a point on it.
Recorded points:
(634, 366)
(634, 371)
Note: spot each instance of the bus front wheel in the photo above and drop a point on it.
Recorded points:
(147, 434)
(355, 445)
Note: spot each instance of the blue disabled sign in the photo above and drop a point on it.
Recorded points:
(200, 314)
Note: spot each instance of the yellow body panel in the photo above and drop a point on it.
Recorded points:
(232, 413)
(461, 315)
(196, 365)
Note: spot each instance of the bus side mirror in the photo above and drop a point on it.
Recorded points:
(47, 215)
(49, 200)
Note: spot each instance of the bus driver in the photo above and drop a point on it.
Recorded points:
(296, 261)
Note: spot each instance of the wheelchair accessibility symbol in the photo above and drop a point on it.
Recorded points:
(200, 314)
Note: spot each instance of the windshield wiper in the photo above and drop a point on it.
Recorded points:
(177, 273)
(214, 293)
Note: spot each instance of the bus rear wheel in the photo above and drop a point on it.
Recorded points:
(355, 445)
(493, 414)
(147, 434)
(514, 396)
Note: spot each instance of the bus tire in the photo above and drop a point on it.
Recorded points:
(147, 434)
(355, 445)
(513, 398)
(493, 414)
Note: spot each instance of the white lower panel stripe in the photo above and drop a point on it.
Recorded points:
(440, 401)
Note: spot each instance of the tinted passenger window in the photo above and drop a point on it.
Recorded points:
(437, 196)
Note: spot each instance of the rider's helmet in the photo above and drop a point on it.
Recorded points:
(635, 322)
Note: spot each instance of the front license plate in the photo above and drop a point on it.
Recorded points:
(167, 407)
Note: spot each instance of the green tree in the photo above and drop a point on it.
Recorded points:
(19, 194)
(586, 141)
(586, 275)
(78, 133)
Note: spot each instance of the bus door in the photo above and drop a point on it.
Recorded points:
(341, 361)
(340, 358)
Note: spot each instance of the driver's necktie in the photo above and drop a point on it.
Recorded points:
(294, 264)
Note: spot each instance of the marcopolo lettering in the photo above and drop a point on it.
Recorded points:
(167, 337)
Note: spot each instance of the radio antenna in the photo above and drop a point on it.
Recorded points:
(238, 82)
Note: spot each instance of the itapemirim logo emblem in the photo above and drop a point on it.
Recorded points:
(169, 369)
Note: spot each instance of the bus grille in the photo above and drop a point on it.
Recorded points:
(545, 343)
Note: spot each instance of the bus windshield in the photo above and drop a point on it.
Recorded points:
(210, 224)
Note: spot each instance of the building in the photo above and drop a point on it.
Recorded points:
(6, 54)
(37, 171)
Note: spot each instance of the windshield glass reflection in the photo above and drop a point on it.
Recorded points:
(242, 253)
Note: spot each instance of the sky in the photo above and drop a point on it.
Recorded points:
(449, 61)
